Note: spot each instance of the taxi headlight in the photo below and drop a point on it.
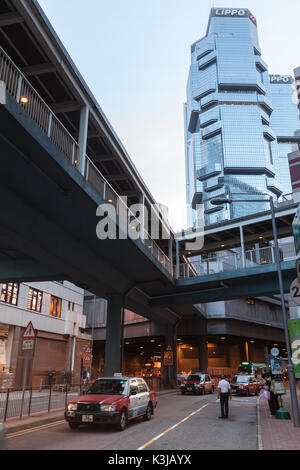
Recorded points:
(72, 407)
(108, 408)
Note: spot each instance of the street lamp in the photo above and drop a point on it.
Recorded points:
(290, 368)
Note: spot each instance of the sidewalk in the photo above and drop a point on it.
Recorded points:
(277, 434)
(16, 424)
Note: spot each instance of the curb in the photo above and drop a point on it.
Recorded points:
(259, 434)
(38, 422)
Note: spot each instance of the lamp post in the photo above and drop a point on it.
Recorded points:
(290, 368)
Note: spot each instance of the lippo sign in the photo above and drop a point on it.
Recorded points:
(285, 79)
(233, 13)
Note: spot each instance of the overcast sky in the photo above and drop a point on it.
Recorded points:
(135, 56)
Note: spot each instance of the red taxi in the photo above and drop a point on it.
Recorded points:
(197, 383)
(245, 385)
(113, 400)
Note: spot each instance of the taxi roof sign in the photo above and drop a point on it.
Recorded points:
(29, 332)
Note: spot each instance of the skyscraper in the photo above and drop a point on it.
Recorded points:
(285, 122)
(231, 146)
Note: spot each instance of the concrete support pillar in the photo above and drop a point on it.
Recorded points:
(171, 340)
(82, 141)
(113, 344)
(203, 354)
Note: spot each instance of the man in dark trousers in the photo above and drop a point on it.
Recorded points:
(224, 392)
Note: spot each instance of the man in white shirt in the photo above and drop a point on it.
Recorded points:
(224, 392)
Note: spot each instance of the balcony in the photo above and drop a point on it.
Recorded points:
(205, 90)
(207, 60)
(274, 186)
(265, 104)
(208, 118)
(202, 52)
(209, 100)
(269, 133)
(261, 64)
(209, 171)
(211, 130)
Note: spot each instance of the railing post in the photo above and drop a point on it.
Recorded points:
(22, 402)
(18, 96)
(50, 125)
(66, 397)
(29, 405)
(49, 402)
(87, 168)
(73, 154)
(177, 259)
(242, 246)
(6, 405)
(272, 254)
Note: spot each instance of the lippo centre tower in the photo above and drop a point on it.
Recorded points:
(230, 147)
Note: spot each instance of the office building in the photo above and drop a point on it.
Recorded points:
(231, 146)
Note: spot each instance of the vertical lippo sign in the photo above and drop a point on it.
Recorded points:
(2, 93)
(294, 330)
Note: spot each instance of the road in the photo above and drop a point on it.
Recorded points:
(180, 422)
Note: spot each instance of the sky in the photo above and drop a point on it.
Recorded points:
(135, 57)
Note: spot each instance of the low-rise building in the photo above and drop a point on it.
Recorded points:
(55, 310)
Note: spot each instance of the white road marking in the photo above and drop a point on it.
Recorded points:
(171, 428)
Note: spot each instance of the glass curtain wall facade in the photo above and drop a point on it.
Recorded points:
(231, 147)
(285, 122)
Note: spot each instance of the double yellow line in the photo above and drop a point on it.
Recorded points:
(37, 428)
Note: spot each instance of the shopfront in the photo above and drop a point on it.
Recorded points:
(6, 376)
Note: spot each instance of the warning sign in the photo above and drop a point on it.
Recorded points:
(29, 332)
(87, 360)
(168, 358)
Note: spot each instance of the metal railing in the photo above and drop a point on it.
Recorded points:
(27, 97)
(20, 403)
(234, 260)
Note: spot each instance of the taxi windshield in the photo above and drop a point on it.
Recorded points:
(107, 387)
(242, 379)
(195, 378)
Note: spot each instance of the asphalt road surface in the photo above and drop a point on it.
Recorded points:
(180, 422)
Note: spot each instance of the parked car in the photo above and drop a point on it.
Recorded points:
(245, 385)
(2, 438)
(197, 383)
(112, 400)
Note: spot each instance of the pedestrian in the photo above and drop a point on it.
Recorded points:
(224, 393)
(273, 399)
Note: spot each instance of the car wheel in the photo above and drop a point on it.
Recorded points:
(122, 422)
(182, 392)
(149, 412)
(202, 391)
(74, 425)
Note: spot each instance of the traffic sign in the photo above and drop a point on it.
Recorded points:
(29, 332)
(295, 292)
(27, 344)
(87, 360)
(275, 351)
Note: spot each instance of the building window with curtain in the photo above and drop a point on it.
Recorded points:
(10, 292)
(55, 307)
(34, 302)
